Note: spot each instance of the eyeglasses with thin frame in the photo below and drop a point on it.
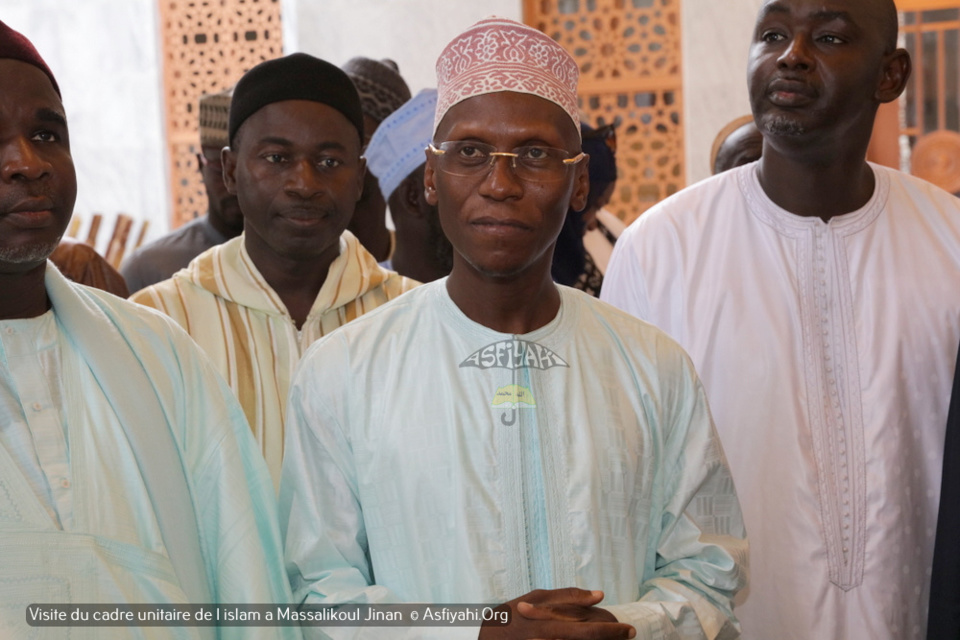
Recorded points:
(532, 163)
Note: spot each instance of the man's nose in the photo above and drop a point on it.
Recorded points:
(20, 159)
(501, 181)
(304, 179)
(797, 55)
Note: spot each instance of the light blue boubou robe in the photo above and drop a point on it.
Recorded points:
(114, 549)
(431, 459)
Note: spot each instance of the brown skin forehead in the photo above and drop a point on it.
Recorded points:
(875, 17)
(33, 82)
(560, 129)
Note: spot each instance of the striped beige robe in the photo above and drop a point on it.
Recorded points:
(224, 303)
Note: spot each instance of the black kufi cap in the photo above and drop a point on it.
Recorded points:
(298, 76)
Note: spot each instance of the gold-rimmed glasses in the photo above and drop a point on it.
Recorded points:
(532, 163)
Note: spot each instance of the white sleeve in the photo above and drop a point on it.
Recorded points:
(701, 552)
(624, 285)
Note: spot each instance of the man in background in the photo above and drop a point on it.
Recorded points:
(737, 144)
(165, 256)
(255, 303)
(396, 155)
(382, 91)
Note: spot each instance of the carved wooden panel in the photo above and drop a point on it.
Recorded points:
(629, 52)
(930, 106)
(207, 46)
(932, 99)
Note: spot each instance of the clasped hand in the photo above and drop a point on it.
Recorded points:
(557, 614)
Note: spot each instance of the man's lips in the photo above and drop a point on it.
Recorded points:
(33, 214)
(790, 93)
(499, 225)
(304, 217)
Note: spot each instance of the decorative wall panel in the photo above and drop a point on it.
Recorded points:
(932, 99)
(207, 46)
(930, 116)
(630, 63)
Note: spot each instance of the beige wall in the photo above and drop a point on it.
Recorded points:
(716, 37)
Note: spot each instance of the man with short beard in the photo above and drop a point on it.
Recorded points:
(395, 156)
(817, 295)
(127, 471)
(255, 303)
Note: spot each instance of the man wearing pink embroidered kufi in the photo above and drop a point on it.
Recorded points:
(493, 438)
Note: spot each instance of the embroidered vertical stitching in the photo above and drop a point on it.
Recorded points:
(809, 291)
(854, 412)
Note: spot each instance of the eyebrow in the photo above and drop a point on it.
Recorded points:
(51, 116)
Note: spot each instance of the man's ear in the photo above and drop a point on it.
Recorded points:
(228, 157)
(430, 179)
(581, 185)
(896, 71)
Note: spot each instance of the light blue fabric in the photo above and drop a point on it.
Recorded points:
(114, 551)
(31, 397)
(406, 465)
(399, 144)
(534, 492)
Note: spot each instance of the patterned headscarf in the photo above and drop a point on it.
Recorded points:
(382, 90)
(498, 54)
(215, 118)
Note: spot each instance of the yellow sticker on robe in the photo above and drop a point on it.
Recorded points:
(513, 396)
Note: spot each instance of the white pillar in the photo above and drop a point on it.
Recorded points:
(716, 39)
(412, 33)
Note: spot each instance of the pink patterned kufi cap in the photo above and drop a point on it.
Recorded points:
(498, 54)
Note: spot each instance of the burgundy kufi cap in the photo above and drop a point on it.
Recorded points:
(15, 46)
(498, 54)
